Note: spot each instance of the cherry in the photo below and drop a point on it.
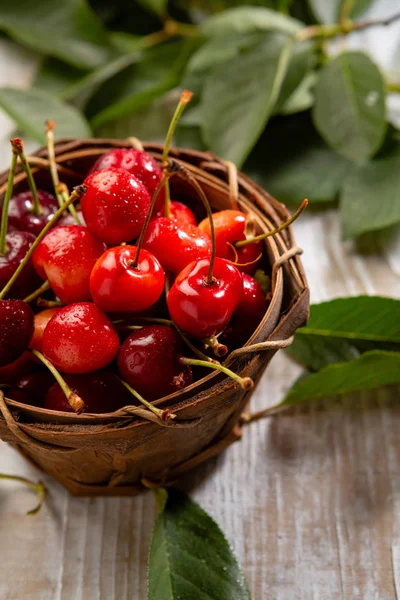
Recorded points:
(15, 393)
(115, 205)
(180, 213)
(185, 243)
(202, 307)
(21, 214)
(149, 361)
(16, 329)
(69, 219)
(248, 313)
(65, 257)
(18, 244)
(120, 282)
(24, 365)
(40, 324)
(229, 226)
(36, 385)
(102, 392)
(80, 339)
(138, 163)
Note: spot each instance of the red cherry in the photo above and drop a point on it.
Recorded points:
(185, 243)
(36, 385)
(204, 309)
(179, 213)
(116, 285)
(149, 361)
(21, 214)
(68, 219)
(102, 392)
(66, 257)
(115, 205)
(80, 339)
(137, 162)
(229, 228)
(15, 393)
(24, 365)
(16, 329)
(18, 243)
(40, 324)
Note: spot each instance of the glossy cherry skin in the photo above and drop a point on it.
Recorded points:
(16, 329)
(201, 309)
(102, 392)
(21, 215)
(248, 313)
(40, 324)
(137, 162)
(68, 219)
(117, 286)
(149, 361)
(15, 393)
(36, 385)
(229, 228)
(66, 257)
(176, 244)
(115, 205)
(18, 243)
(24, 365)
(80, 339)
(179, 213)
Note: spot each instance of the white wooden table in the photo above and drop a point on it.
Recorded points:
(310, 501)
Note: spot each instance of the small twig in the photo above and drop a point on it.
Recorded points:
(345, 27)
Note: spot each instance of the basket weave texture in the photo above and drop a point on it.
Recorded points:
(118, 454)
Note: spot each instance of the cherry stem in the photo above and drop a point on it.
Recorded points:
(18, 147)
(48, 303)
(43, 288)
(163, 414)
(246, 383)
(218, 349)
(76, 193)
(263, 236)
(60, 189)
(139, 244)
(38, 488)
(75, 402)
(6, 204)
(185, 98)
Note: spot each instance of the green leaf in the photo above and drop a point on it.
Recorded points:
(244, 19)
(302, 98)
(54, 76)
(301, 62)
(137, 86)
(370, 197)
(68, 30)
(157, 6)
(292, 162)
(328, 11)
(342, 329)
(126, 42)
(371, 370)
(189, 556)
(349, 110)
(31, 108)
(239, 97)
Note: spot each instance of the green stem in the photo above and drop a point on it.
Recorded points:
(263, 236)
(342, 28)
(43, 288)
(393, 87)
(75, 402)
(44, 303)
(6, 204)
(18, 146)
(77, 193)
(185, 98)
(38, 488)
(172, 27)
(245, 382)
(163, 414)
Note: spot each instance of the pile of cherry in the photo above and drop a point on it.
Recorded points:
(132, 303)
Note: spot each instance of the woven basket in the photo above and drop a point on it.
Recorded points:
(118, 454)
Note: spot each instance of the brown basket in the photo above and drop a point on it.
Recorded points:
(119, 454)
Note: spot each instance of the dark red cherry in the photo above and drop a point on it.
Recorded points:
(204, 309)
(15, 393)
(137, 162)
(179, 213)
(16, 329)
(176, 244)
(80, 339)
(229, 228)
(116, 285)
(40, 324)
(21, 215)
(102, 392)
(115, 205)
(18, 243)
(36, 385)
(24, 365)
(149, 361)
(65, 257)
